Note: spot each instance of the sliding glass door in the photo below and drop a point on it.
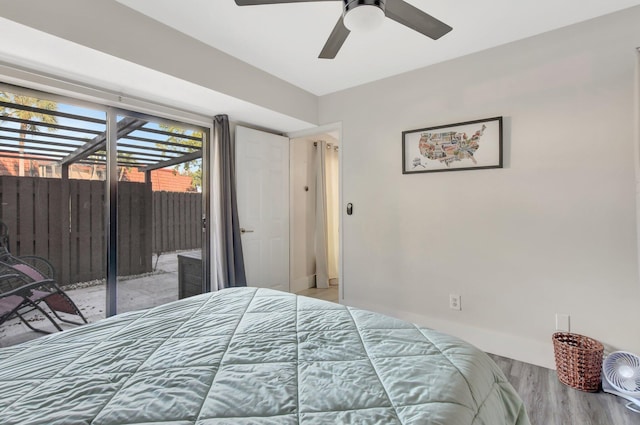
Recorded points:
(114, 199)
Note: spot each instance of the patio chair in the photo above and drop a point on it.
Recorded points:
(16, 298)
(39, 285)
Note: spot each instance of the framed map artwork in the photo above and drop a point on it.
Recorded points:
(467, 145)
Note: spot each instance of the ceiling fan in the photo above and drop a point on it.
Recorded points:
(366, 15)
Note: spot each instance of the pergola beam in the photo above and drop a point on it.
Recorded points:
(124, 127)
(3, 154)
(175, 161)
(48, 125)
(51, 112)
(40, 133)
(157, 141)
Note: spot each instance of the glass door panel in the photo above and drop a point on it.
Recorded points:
(159, 209)
(52, 199)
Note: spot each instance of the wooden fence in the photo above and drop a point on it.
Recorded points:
(32, 208)
(177, 218)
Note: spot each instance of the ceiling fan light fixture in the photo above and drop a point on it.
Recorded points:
(363, 15)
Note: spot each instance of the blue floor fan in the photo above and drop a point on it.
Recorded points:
(621, 376)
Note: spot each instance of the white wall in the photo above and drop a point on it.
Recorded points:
(552, 232)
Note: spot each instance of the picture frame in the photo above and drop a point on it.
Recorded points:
(470, 145)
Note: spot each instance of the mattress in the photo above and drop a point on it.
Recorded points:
(253, 356)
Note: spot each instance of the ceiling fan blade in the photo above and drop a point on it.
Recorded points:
(335, 41)
(414, 18)
(259, 2)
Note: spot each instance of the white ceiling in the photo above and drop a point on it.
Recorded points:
(285, 39)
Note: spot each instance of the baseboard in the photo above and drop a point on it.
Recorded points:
(302, 283)
(506, 345)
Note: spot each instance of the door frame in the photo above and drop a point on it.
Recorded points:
(316, 131)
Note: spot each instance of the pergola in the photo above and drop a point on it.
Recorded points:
(84, 144)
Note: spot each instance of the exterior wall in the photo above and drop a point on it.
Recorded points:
(162, 180)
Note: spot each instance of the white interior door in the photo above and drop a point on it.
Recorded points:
(262, 178)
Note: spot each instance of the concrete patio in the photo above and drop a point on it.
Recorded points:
(136, 293)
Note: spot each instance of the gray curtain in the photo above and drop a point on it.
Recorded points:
(231, 262)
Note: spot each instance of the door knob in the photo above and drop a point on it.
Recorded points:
(243, 230)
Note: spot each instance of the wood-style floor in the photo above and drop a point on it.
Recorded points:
(330, 294)
(548, 402)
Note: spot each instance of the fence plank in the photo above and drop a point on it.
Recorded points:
(146, 227)
(171, 221)
(136, 229)
(97, 230)
(179, 220)
(10, 210)
(196, 202)
(165, 221)
(41, 225)
(157, 234)
(52, 212)
(124, 230)
(192, 220)
(188, 221)
(25, 216)
(83, 235)
(73, 234)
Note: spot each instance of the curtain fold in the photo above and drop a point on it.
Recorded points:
(327, 215)
(228, 254)
(321, 239)
(333, 213)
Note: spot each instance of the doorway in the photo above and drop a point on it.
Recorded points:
(315, 212)
(299, 251)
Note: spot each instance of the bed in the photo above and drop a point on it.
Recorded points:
(253, 356)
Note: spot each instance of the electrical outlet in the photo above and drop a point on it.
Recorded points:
(455, 302)
(563, 322)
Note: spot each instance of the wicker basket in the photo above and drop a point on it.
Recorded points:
(578, 360)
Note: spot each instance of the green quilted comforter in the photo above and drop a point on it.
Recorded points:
(253, 356)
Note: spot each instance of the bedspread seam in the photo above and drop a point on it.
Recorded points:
(493, 386)
(44, 380)
(375, 370)
(204, 303)
(226, 350)
(473, 396)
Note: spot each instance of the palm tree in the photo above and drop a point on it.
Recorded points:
(27, 115)
(192, 168)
